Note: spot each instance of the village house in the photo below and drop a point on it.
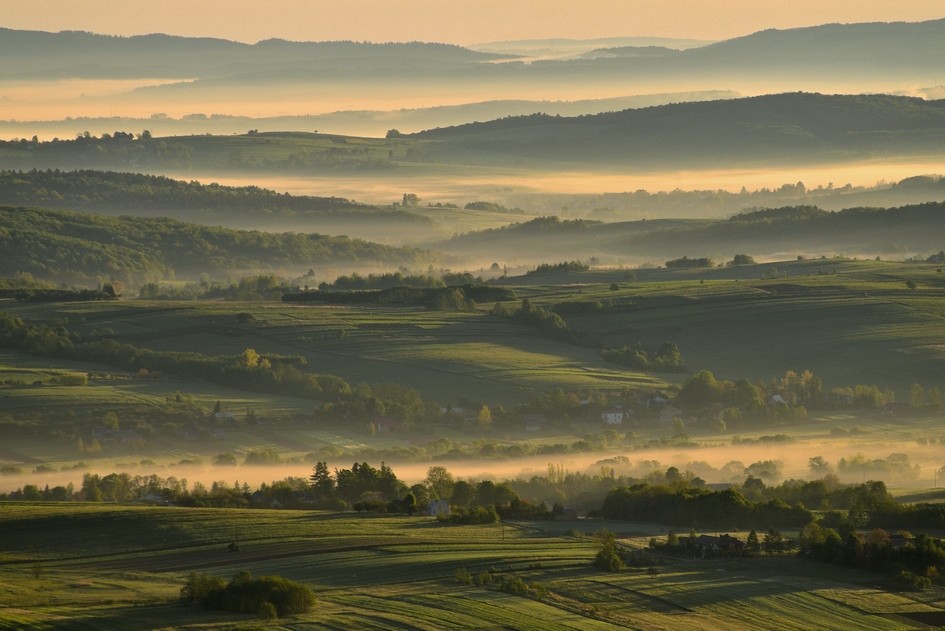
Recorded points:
(438, 508)
(612, 417)
(708, 545)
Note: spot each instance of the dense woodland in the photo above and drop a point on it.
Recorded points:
(84, 248)
(100, 191)
(890, 231)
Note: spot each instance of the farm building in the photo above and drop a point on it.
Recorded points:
(438, 508)
(613, 417)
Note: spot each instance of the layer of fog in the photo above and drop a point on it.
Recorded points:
(369, 123)
(140, 99)
(535, 49)
(512, 187)
(708, 462)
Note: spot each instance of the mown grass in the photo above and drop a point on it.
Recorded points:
(85, 566)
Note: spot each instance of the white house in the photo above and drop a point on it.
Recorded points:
(438, 508)
(612, 417)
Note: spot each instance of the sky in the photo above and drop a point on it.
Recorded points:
(453, 21)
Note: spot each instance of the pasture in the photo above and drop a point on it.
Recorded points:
(118, 567)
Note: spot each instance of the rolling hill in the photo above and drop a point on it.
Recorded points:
(82, 248)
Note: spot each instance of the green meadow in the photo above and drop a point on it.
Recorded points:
(119, 567)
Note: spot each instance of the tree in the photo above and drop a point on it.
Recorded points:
(410, 199)
(741, 259)
(463, 493)
(672, 540)
(607, 558)
(752, 545)
(440, 482)
(110, 420)
(249, 358)
(818, 466)
(911, 284)
(700, 391)
(410, 503)
(917, 396)
(322, 483)
(718, 425)
(773, 541)
(484, 418)
(393, 133)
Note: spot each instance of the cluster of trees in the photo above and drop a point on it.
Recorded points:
(492, 207)
(77, 247)
(913, 561)
(896, 467)
(381, 281)
(268, 596)
(262, 287)
(107, 292)
(548, 322)
(389, 280)
(740, 259)
(449, 298)
(565, 267)
(667, 358)
(742, 401)
(686, 262)
(21, 282)
(689, 505)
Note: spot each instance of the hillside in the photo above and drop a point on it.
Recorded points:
(111, 192)
(82, 248)
(776, 129)
(844, 51)
(806, 230)
(797, 127)
(75, 54)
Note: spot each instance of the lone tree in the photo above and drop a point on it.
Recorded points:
(741, 259)
(607, 558)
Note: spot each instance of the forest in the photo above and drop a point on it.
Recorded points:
(83, 248)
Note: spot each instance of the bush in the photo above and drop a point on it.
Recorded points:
(246, 594)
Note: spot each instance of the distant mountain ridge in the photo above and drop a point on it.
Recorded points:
(772, 127)
(88, 55)
(912, 51)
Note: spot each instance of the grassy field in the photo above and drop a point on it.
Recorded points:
(850, 322)
(447, 356)
(121, 568)
(855, 323)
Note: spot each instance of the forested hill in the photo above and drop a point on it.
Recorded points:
(808, 230)
(843, 52)
(864, 46)
(105, 191)
(75, 54)
(61, 246)
(795, 126)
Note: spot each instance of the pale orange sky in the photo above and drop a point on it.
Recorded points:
(453, 21)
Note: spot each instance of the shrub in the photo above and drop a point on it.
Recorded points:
(246, 594)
